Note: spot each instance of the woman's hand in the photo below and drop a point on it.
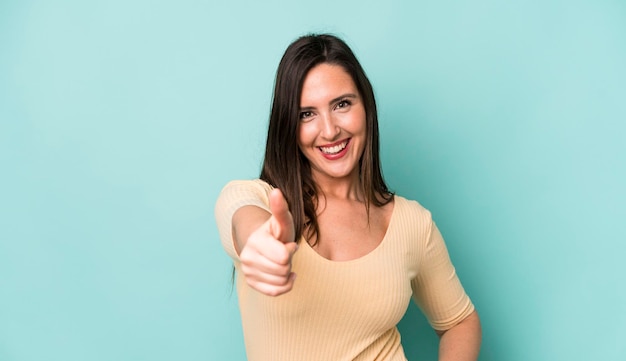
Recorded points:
(268, 250)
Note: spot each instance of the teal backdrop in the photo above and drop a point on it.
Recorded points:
(120, 121)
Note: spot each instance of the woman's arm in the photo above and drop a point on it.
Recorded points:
(462, 341)
(265, 245)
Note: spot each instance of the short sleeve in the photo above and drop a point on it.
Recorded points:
(233, 196)
(437, 289)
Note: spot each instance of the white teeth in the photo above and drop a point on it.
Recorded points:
(334, 149)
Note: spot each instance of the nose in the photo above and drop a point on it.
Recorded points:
(330, 129)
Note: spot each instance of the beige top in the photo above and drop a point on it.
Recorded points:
(347, 310)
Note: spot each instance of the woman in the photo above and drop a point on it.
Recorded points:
(321, 210)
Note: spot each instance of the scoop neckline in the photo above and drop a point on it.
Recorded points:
(369, 254)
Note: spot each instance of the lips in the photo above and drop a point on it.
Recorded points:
(335, 148)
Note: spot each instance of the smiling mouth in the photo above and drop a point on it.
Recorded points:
(335, 148)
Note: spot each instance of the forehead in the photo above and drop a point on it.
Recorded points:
(325, 82)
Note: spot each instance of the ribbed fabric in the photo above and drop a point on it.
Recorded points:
(347, 310)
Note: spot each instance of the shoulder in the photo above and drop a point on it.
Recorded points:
(412, 220)
(247, 185)
(238, 193)
(412, 208)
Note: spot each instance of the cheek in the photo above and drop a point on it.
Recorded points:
(356, 116)
(305, 135)
(358, 122)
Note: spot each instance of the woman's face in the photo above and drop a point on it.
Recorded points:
(332, 130)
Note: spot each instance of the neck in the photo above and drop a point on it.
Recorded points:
(347, 188)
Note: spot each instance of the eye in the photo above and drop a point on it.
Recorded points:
(343, 104)
(305, 115)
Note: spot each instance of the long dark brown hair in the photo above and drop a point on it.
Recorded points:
(284, 166)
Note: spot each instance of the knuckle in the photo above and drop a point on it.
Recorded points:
(246, 261)
(248, 273)
(274, 292)
(285, 281)
(283, 257)
(286, 271)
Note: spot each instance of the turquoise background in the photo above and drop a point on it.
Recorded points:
(120, 121)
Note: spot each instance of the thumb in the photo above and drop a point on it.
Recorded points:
(281, 224)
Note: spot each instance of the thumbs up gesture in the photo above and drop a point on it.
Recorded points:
(266, 256)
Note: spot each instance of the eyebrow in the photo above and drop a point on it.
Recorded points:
(333, 101)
